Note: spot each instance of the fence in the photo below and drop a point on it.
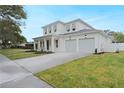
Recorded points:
(114, 47)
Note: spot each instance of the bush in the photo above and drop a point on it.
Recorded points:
(96, 51)
(117, 51)
(38, 52)
(43, 52)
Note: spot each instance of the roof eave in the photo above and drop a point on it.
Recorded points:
(53, 23)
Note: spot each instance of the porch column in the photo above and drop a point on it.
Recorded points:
(45, 47)
(52, 44)
(39, 48)
(34, 45)
(41, 44)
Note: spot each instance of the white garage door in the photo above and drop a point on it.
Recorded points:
(86, 45)
(70, 45)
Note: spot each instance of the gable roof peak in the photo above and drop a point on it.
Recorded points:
(58, 21)
(79, 19)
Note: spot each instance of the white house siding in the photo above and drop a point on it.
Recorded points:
(95, 36)
(78, 24)
(61, 28)
(101, 43)
(59, 46)
(81, 26)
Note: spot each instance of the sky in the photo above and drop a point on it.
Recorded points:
(100, 17)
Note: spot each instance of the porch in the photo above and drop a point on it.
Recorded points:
(46, 43)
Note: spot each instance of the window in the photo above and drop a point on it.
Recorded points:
(68, 28)
(56, 43)
(55, 28)
(45, 31)
(73, 27)
(49, 29)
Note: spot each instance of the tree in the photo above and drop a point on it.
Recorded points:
(21, 39)
(118, 37)
(10, 22)
(12, 11)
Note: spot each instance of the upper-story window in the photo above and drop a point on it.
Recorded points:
(49, 29)
(73, 27)
(68, 28)
(45, 31)
(54, 28)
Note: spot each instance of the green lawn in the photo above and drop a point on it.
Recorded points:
(95, 71)
(17, 53)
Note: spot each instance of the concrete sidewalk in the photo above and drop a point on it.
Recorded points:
(3, 58)
(28, 81)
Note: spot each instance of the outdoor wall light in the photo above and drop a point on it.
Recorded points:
(85, 36)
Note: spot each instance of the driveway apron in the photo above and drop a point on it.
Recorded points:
(13, 75)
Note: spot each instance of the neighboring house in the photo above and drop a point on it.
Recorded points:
(28, 45)
(73, 36)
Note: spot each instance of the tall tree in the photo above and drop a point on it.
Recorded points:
(118, 37)
(10, 22)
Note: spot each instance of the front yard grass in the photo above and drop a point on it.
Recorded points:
(95, 71)
(17, 53)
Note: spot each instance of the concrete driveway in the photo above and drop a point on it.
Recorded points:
(13, 75)
(18, 73)
(40, 63)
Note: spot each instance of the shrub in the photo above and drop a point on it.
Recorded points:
(96, 51)
(117, 51)
(43, 52)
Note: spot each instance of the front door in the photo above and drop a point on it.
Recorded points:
(47, 44)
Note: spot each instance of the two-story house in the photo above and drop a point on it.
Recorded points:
(73, 36)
